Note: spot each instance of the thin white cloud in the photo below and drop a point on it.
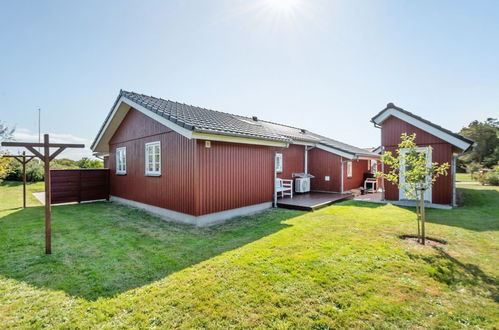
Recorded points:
(26, 135)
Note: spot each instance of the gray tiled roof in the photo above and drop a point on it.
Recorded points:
(210, 121)
(393, 106)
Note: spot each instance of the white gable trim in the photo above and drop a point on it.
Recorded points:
(421, 125)
(336, 151)
(124, 105)
(171, 125)
(119, 112)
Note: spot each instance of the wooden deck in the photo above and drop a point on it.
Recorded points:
(311, 201)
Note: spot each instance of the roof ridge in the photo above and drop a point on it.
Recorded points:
(218, 111)
(181, 103)
(200, 119)
(426, 121)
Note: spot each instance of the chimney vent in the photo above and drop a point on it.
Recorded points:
(255, 118)
(303, 130)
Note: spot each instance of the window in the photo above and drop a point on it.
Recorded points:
(121, 160)
(153, 158)
(427, 152)
(349, 169)
(278, 163)
(374, 166)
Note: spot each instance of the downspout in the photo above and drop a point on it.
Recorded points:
(342, 162)
(275, 171)
(453, 175)
(382, 178)
(305, 167)
(275, 178)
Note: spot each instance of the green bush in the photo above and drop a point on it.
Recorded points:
(490, 178)
(34, 171)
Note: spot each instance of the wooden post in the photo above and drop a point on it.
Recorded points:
(48, 199)
(23, 159)
(24, 179)
(46, 157)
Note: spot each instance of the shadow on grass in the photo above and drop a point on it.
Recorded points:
(479, 211)
(452, 272)
(103, 249)
(357, 203)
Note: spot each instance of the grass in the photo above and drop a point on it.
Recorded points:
(342, 266)
(464, 177)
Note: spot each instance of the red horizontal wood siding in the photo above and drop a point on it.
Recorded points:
(321, 164)
(174, 189)
(78, 185)
(233, 175)
(391, 130)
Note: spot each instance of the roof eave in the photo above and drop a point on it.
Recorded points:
(463, 143)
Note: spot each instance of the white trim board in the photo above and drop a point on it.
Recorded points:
(200, 221)
(236, 139)
(335, 151)
(421, 125)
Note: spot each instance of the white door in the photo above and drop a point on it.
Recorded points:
(402, 192)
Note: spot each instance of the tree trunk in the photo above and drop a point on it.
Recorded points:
(423, 215)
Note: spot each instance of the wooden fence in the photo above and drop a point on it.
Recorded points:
(78, 185)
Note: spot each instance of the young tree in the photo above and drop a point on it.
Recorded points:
(411, 171)
(5, 135)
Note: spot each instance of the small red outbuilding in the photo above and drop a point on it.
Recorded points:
(445, 146)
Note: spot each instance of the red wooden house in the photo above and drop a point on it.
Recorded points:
(445, 147)
(200, 166)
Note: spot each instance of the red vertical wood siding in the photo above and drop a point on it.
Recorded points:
(391, 130)
(232, 175)
(174, 189)
(359, 168)
(194, 179)
(321, 164)
(293, 161)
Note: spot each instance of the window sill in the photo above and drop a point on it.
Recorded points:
(120, 173)
(153, 174)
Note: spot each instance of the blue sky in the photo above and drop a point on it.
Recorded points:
(327, 66)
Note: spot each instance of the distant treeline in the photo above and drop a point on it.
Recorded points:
(35, 170)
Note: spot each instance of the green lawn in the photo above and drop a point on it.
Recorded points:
(342, 266)
(464, 177)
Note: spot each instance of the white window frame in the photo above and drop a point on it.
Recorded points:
(278, 163)
(374, 166)
(121, 166)
(349, 169)
(428, 192)
(150, 146)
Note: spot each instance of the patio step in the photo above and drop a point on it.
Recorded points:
(312, 201)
